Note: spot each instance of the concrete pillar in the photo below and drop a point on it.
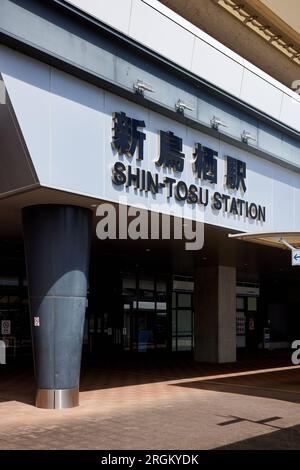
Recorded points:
(215, 314)
(57, 246)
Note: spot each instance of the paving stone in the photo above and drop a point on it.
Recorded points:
(185, 405)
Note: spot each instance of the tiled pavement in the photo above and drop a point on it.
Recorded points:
(160, 405)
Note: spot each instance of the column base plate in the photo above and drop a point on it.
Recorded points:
(57, 399)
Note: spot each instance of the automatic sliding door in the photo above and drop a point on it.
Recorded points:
(182, 321)
(145, 313)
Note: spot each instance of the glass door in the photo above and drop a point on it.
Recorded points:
(240, 323)
(182, 321)
(144, 313)
(251, 322)
(246, 322)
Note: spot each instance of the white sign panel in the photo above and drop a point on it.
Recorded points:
(100, 145)
(5, 327)
(295, 257)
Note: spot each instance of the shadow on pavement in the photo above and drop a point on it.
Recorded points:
(283, 439)
(279, 385)
(17, 380)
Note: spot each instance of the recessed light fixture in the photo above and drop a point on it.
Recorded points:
(148, 249)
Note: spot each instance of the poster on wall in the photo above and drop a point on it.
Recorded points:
(5, 327)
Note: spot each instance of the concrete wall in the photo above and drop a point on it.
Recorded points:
(215, 316)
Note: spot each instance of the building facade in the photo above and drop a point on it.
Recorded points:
(132, 144)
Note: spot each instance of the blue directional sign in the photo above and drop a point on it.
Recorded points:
(295, 257)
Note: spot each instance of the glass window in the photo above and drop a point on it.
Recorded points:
(161, 314)
(144, 305)
(91, 324)
(161, 287)
(184, 344)
(86, 332)
(9, 281)
(129, 284)
(184, 322)
(146, 284)
(240, 303)
(183, 285)
(184, 300)
(161, 290)
(174, 322)
(252, 304)
(240, 323)
(161, 305)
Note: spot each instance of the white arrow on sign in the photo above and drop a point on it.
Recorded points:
(295, 257)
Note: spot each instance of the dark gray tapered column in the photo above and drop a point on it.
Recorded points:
(57, 247)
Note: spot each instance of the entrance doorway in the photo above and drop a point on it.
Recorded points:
(145, 313)
(139, 312)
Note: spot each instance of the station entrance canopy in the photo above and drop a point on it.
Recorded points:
(284, 240)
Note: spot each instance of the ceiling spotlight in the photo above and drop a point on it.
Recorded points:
(216, 123)
(181, 106)
(246, 136)
(140, 87)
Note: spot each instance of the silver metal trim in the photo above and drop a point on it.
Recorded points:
(57, 399)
